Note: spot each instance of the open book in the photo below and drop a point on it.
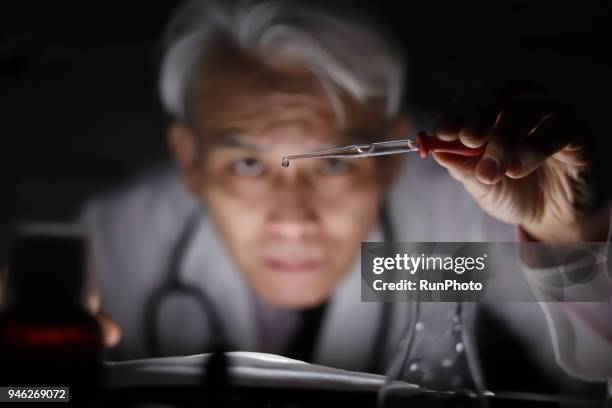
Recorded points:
(272, 372)
(246, 369)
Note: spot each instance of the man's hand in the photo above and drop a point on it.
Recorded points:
(111, 332)
(537, 168)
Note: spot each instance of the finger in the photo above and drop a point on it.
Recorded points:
(515, 122)
(111, 332)
(449, 123)
(462, 169)
(519, 118)
(550, 137)
(581, 146)
(485, 107)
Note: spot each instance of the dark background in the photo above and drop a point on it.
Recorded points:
(79, 111)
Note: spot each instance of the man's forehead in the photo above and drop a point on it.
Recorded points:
(240, 138)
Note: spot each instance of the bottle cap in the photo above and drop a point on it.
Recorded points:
(46, 262)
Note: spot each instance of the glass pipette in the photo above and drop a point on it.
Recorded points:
(422, 144)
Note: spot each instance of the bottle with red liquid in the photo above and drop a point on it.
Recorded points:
(47, 337)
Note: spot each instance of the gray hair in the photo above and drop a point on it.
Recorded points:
(341, 53)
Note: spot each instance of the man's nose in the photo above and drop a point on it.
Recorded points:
(293, 213)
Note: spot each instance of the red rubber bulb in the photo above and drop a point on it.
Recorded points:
(429, 144)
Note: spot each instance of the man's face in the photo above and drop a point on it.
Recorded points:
(294, 232)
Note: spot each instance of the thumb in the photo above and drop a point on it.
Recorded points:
(456, 164)
(463, 169)
(111, 332)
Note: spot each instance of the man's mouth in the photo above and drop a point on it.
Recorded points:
(293, 264)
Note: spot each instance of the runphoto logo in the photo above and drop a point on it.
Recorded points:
(412, 264)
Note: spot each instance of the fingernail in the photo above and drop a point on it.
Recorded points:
(447, 137)
(471, 138)
(487, 169)
(446, 129)
(445, 133)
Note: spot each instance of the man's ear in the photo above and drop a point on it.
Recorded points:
(401, 128)
(183, 146)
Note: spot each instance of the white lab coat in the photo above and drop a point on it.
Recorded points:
(133, 229)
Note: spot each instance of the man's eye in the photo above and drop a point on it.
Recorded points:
(248, 167)
(333, 166)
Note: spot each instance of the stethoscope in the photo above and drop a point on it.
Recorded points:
(173, 285)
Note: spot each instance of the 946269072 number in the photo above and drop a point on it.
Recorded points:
(34, 394)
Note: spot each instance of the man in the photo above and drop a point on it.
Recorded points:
(275, 250)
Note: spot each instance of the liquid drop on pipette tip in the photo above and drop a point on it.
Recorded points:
(285, 162)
